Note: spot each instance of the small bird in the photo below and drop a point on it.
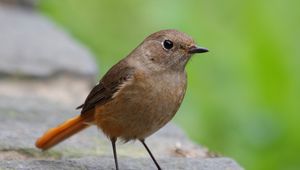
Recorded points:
(137, 96)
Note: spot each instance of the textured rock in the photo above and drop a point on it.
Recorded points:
(23, 3)
(25, 119)
(30, 45)
(105, 163)
(63, 89)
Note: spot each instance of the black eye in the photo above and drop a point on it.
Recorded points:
(168, 44)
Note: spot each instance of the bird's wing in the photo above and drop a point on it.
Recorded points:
(108, 86)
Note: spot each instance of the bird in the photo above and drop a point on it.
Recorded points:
(137, 96)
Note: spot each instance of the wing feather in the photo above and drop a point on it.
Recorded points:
(108, 86)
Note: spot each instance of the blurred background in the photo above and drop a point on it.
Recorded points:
(243, 98)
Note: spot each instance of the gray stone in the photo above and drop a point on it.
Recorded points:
(105, 163)
(32, 46)
(63, 89)
(25, 119)
(29, 4)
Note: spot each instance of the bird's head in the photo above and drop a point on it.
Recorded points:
(167, 49)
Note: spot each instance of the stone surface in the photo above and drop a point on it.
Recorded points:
(25, 119)
(29, 4)
(63, 89)
(30, 45)
(106, 163)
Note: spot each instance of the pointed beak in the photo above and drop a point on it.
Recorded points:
(195, 49)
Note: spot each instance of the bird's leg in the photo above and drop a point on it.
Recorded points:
(113, 143)
(157, 165)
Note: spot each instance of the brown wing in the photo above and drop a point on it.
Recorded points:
(107, 86)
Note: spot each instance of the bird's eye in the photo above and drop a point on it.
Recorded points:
(167, 44)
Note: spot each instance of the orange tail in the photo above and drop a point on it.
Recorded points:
(63, 131)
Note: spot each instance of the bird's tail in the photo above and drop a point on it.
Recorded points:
(63, 131)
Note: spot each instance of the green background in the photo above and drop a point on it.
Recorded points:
(243, 96)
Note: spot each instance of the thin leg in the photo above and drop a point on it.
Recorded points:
(157, 165)
(113, 143)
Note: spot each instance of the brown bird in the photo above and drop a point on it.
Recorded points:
(137, 96)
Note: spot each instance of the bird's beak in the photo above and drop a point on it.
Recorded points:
(194, 49)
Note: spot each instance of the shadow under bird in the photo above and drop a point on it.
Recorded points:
(137, 96)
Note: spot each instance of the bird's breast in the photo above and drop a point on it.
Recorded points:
(146, 104)
(165, 91)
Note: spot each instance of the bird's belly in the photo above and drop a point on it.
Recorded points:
(139, 110)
